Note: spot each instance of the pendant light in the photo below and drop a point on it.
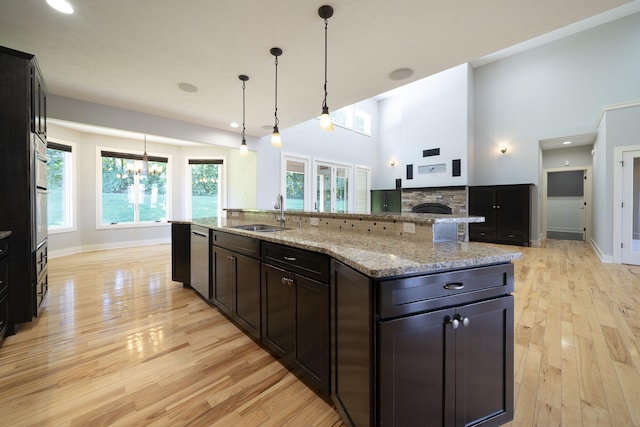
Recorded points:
(276, 140)
(325, 12)
(145, 159)
(243, 146)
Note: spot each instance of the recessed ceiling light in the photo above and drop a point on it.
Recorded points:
(61, 6)
(401, 74)
(234, 124)
(187, 87)
(267, 127)
(566, 143)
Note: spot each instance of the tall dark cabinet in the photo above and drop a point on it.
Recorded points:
(507, 213)
(23, 174)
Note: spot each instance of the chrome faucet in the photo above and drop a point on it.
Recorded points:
(279, 204)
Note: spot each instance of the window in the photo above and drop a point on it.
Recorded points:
(206, 187)
(128, 195)
(353, 119)
(332, 187)
(59, 187)
(295, 187)
(362, 199)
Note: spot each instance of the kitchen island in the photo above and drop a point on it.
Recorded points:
(370, 312)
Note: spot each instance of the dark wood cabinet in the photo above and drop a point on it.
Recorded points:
(424, 350)
(295, 310)
(181, 253)
(507, 212)
(386, 200)
(236, 288)
(22, 134)
(453, 367)
(4, 285)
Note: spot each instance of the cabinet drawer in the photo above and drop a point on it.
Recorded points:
(311, 264)
(236, 243)
(41, 259)
(41, 291)
(399, 297)
(4, 314)
(511, 237)
(4, 275)
(4, 248)
(481, 234)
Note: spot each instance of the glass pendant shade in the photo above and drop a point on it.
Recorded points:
(325, 120)
(243, 147)
(276, 139)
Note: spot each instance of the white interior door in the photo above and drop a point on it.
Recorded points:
(631, 208)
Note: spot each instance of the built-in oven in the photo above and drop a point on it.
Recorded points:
(40, 160)
(41, 220)
(40, 195)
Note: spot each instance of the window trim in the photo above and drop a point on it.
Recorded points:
(189, 160)
(71, 185)
(135, 155)
(300, 158)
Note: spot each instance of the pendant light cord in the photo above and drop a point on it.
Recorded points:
(243, 103)
(324, 102)
(276, 97)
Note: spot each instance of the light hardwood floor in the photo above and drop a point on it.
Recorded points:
(119, 343)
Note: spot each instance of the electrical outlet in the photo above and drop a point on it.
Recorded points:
(409, 227)
(235, 213)
(313, 221)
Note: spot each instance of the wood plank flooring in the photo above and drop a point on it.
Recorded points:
(119, 343)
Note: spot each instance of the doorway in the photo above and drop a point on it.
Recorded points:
(567, 203)
(629, 185)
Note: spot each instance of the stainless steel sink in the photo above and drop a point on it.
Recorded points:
(263, 228)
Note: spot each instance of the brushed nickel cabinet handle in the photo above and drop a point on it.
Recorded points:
(454, 286)
(290, 258)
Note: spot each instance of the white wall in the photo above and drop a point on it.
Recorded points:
(576, 156)
(341, 145)
(429, 113)
(619, 127)
(550, 91)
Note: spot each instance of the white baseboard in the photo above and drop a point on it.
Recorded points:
(603, 258)
(107, 246)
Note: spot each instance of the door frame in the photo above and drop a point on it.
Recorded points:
(587, 198)
(618, 153)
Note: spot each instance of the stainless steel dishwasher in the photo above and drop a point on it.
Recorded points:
(200, 260)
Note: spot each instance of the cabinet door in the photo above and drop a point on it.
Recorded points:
(512, 214)
(417, 370)
(482, 203)
(277, 311)
(484, 363)
(247, 294)
(223, 267)
(312, 332)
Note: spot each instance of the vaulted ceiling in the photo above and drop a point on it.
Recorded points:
(133, 53)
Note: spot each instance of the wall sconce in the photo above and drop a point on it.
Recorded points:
(503, 149)
(392, 162)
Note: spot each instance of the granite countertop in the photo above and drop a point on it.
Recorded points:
(4, 234)
(376, 256)
(383, 216)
